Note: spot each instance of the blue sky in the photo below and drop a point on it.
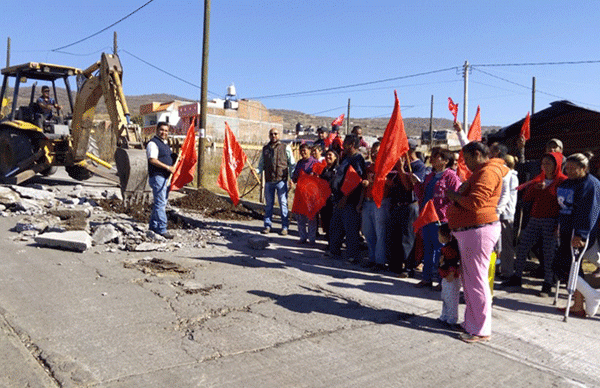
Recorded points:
(270, 48)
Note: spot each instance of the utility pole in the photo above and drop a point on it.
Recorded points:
(203, 93)
(348, 119)
(533, 96)
(8, 52)
(466, 96)
(431, 125)
(115, 42)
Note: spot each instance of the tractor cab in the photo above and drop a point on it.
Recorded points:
(27, 110)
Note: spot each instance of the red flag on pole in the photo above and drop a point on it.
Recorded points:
(474, 135)
(186, 164)
(351, 181)
(427, 216)
(311, 195)
(318, 167)
(339, 121)
(453, 108)
(525, 129)
(393, 145)
(232, 164)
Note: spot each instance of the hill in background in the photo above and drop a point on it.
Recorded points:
(371, 126)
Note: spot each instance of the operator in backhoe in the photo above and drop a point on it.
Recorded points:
(160, 167)
(46, 103)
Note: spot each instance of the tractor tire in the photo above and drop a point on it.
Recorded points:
(15, 146)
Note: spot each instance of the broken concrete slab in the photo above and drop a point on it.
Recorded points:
(148, 247)
(105, 233)
(28, 192)
(8, 196)
(76, 240)
(65, 212)
(39, 223)
(258, 242)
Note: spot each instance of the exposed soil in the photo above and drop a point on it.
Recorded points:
(202, 201)
(213, 206)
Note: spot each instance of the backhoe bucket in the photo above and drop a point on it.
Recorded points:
(132, 168)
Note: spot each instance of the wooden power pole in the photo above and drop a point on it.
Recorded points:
(203, 94)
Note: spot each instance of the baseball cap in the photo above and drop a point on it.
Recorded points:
(557, 142)
(413, 144)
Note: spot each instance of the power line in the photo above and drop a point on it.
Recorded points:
(328, 110)
(84, 55)
(104, 29)
(166, 72)
(353, 85)
(538, 63)
(537, 90)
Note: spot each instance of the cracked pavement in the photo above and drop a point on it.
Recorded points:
(226, 315)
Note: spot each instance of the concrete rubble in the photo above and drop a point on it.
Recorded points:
(49, 215)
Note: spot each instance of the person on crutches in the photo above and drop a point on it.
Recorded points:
(579, 201)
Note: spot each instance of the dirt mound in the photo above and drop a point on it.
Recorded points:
(202, 201)
(213, 206)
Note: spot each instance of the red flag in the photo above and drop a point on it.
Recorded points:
(525, 130)
(393, 145)
(474, 135)
(232, 164)
(311, 195)
(318, 167)
(427, 216)
(330, 138)
(186, 164)
(339, 121)
(351, 181)
(453, 108)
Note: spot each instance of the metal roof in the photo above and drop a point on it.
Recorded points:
(40, 71)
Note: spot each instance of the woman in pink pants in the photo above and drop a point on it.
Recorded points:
(473, 220)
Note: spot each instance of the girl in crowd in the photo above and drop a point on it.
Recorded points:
(543, 220)
(435, 186)
(450, 274)
(473, 220)
(332, 159)
(579, 200)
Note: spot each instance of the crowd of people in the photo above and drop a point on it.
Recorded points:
(475, 233)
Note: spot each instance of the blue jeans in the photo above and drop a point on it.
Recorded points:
(345, 222)
(374, 222)
(281, 188)
(158, 218)
(431, 251)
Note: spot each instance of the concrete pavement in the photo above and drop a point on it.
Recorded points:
(281, 317)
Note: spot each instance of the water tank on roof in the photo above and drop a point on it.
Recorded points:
(231, 95)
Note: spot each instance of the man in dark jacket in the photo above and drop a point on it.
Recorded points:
(160, 168)
(277, 162)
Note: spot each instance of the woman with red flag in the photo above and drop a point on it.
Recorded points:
(434, 187)
(543, 219)
(473, 220)
(332, 159)
(305, 165)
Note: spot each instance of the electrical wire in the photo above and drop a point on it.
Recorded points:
(104, 49)
(102, 30)
(537, 63)
(352, 85)
(166, 72)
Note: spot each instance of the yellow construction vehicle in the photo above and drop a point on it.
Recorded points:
(35, 140)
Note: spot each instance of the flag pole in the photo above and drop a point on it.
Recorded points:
(253, 171)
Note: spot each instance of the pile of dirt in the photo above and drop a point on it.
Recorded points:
(202, 201)
(212, 206)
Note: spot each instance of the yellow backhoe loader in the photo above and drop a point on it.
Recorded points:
(33, 141)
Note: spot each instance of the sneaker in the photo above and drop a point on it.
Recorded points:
(513, 281)
(469, 338)
(266, 230)
(403, 275)
(301, 242)
(283, 232)
(546, 290)
(168, 235)
(437, 287)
